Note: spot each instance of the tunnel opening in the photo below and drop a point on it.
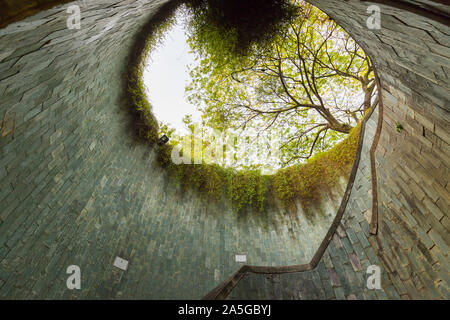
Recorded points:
(321, 162)
(69, 183)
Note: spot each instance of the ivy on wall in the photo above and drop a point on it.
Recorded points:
(245, 189)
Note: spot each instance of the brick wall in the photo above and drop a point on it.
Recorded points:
(77, 188)
(412, 57)
(15, 10)
(411, 54)
(341, 272)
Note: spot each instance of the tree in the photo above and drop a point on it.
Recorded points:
(311, 83)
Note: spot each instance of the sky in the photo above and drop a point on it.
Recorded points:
(165, 77)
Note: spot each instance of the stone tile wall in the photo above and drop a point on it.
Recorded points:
(411, 53)
(78, 188)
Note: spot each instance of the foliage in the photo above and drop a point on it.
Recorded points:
(154, 35)
(305, 181)
(398, 126)
(234, 26)
(310, 84)
(247, 189)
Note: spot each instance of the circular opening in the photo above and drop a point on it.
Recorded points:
(275, 113)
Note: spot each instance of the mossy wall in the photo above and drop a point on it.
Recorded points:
(247, 190)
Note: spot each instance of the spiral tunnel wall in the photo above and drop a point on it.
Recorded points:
(77, 188)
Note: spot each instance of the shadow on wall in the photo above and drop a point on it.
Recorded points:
(13, 11)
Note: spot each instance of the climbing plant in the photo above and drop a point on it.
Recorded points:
(246, 189)
(311, 83)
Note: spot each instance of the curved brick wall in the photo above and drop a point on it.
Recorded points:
(411, 53)
(76, 188)
(341, 272)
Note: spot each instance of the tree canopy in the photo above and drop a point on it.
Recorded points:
(310, 84)
(250, 189)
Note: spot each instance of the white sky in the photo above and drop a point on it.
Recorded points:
(165, 77)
